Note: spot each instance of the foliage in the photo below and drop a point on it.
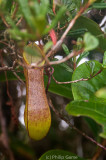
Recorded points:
(57, 154)
(82, 87)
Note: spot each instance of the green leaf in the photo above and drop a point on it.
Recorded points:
(92, 66)
(21, 35)
(39, 9)
(21, 148)
(95, 109)
(77, 32)
(90, 42)
(9, 5)
(99, 5)
(6, 5)
(86, 103)
(59, 155)
(61, 74)
(11, 76)
(104, 60)
(65, 48)
(85, 90)
(47, 46)
(84, 54)
(69, 69)
(93, 28)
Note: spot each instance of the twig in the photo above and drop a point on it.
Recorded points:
(4, 21)
(72, 126)
(52, 62)
(78, 80)
(19, 21)
(72, 54)
(18, 77)
(68, 82)
(99, 150)
(49, 72)
(15, 11)
(62, 60)
(6, 68)
(55, 48)
(4, 43)
(62, 27)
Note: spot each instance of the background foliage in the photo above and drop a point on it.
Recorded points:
(82, 103)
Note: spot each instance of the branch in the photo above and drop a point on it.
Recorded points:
(18, 78)
(99, 150)
(4, 21)
(72, 126)
(19, 21)
(6, 68)
(15, 11)
(59, 43)
(75, 81)
(49, 63)
(62, 60)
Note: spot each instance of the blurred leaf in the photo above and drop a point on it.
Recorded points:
(6, 5)
(39, 9)
(26, 12)
(72, 5)
(101, 93)
(59, 154)
(20, 148)
(104, 60)
(56, 19)
(18, 34)
(21, 35)
(34, 14)
(9, 5)
(39, 14)
(77, 32)
(96, 129)
(90, 42)
(65, 48)
(47, 46)
(99, 5)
